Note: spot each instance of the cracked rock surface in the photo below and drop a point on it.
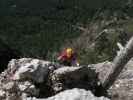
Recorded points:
(122, 89)
(34, 79)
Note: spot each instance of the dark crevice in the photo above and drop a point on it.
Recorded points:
(6, 54)
(44, 90)
(100, 91)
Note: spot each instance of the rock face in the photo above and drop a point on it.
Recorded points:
(102, 69)
(74, 77)
(122, 88)
(73, 94)
(32, 69)
(33, 79)
(21, 77)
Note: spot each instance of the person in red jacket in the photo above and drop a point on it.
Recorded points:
(68, 57)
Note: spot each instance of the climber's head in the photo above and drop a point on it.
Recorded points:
(69, 52)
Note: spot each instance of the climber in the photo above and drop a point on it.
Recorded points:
(68, 57)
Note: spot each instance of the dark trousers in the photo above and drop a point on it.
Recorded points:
(66, 63)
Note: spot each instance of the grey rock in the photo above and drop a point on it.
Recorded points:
(122, 89)
(72, 77)
(2, 94)
(19, 79)
(32, 79)
(32, 69)
(102, 69)
(9, 86)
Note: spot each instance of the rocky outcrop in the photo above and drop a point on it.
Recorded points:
(21, 77)
(33, 69)
(34, 79)
(122, 87)
(73, 94)
(102, 69)
(74, 77)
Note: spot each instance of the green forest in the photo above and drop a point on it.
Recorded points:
(41, 29)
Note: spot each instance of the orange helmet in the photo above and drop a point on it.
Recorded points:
(69, 52)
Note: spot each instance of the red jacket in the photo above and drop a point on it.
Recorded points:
(63, 57)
